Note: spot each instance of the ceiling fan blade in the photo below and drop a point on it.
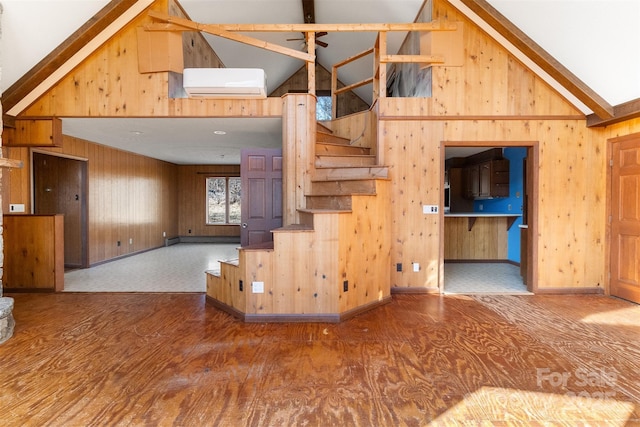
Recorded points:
(292, 40)
(321, 43)
(321, 33)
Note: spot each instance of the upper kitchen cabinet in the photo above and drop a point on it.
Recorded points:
(488, 179)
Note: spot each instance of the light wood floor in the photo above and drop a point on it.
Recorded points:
(172, 359)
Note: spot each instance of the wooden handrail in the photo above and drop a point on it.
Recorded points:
(354, 86)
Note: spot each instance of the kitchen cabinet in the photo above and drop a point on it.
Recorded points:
(487, 180)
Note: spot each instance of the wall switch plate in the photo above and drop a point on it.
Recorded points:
(399, 266)
(16, 207)
(257, 287)
(429, 209)
(345, 285)
(416, 267)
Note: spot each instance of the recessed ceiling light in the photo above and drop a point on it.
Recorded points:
(219, 132)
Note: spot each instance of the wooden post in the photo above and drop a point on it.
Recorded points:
(298, 151)
(311, 66)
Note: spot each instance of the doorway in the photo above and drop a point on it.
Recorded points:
(487, 244)
(60, 187)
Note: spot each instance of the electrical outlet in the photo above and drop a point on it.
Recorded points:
(345, 285)
(430, 209)
(257, 287)
(241, 286)
(399, 266)
(481, 207)
(118, 243)
(131, 241)
(164, 234)
(416, 267)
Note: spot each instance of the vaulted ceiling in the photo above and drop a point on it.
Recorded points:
(596, 41)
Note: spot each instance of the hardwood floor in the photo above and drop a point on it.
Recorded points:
(173, 359)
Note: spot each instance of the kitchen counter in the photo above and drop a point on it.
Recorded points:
(473, 216)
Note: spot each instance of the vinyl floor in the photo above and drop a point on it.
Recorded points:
(162, 359)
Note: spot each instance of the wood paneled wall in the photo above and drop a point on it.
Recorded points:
(359, 128)
(192, 200)
(131, 197)
(33, 252)
(487, 239)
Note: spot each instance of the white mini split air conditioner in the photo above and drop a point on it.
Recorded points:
(225, 82)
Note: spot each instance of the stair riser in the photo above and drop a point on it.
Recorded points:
(329, 202)
(325, 137)
(367, 186)
(340, 161)
(332, 174)
(341, 150)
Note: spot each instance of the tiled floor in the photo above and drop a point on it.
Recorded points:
(483, 278)
(177, 268)
(180, 268)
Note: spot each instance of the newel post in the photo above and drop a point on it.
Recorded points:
(298, 152)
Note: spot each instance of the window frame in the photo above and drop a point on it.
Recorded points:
(227, 205)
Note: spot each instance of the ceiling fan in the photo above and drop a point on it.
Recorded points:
(309, 15)
(318, 42)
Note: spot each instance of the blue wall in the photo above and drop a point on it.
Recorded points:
(511, 204)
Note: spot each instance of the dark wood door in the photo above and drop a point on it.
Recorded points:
(625, 220)
(60, 187)
(261, 212)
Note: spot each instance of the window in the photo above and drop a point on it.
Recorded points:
(323, 107)
(223, 200)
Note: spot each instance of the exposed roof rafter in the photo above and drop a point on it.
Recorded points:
(626, 111)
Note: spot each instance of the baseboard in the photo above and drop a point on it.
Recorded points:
(349, 314)
(412, 290)
(295, 318)
(209, 239)
(226, 308)
(481, 261)
(565, 291)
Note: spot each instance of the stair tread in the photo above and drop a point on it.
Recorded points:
(325, 210)
(294, 227)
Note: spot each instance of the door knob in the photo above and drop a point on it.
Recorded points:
(244, 225)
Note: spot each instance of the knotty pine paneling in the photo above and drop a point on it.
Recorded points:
(130, 197)
(192, 200)
(570, 198)
(107, 83)
(491, 81)
(365, 250)
(306, 268)
(487, 240)
(411, 151)
(360, 128)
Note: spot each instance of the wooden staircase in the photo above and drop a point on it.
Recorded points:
(332, 265)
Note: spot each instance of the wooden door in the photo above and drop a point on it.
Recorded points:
(261, 212)
(625, 219)
(60, 187)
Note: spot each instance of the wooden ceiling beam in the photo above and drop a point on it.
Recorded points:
(626, 111)
(541, 58)
(50, 63)
(216, 30)
(309, 11)
(304, 28)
